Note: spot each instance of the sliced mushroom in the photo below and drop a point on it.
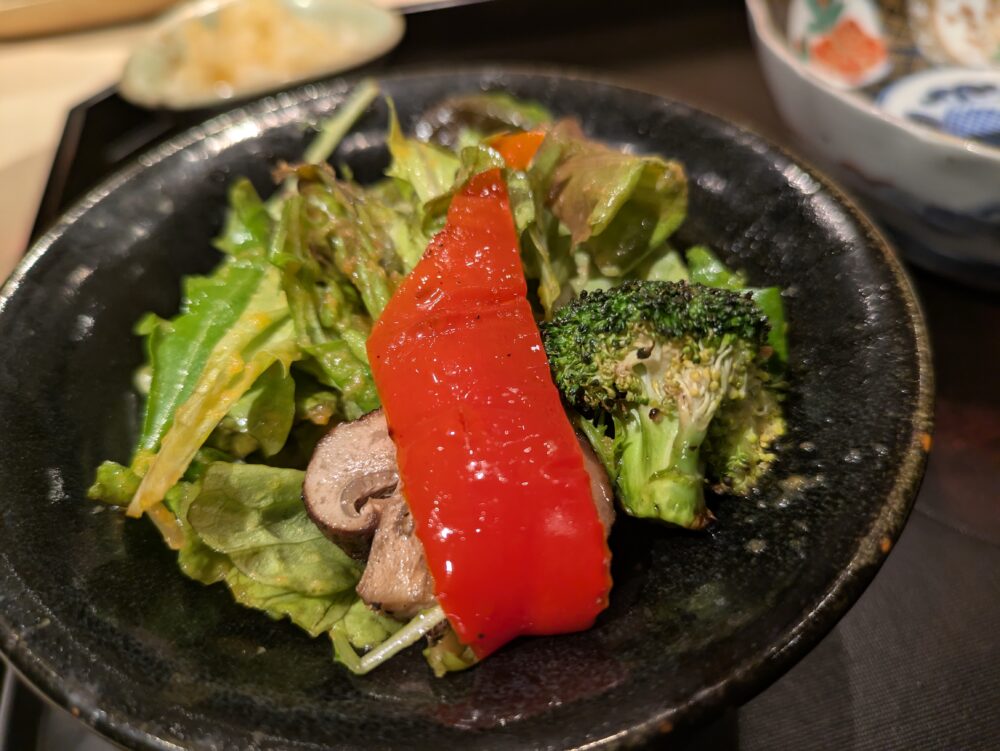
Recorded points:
(352, 469)
(396, 578)
(352, 492)
(600, 486)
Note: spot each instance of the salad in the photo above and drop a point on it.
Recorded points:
(409, 409)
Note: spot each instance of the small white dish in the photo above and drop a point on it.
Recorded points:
(206, 52)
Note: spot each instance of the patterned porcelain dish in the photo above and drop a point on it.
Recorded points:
(901, 100)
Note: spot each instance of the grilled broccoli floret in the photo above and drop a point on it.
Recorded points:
(655, 362)
(739, 447)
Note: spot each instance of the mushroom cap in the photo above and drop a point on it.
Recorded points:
(349, 478)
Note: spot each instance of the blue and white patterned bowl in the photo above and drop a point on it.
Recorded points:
(901, 100)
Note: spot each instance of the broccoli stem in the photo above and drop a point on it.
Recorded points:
(660, 469)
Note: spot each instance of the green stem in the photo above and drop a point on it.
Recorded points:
(334, 128)
(411, 633)
(331, 133)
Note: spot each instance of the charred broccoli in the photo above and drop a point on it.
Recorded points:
(739, 447)
(655, 364)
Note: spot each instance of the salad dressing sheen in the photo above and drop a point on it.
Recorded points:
(490, 466)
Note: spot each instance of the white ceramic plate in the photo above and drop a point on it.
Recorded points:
(236, 54)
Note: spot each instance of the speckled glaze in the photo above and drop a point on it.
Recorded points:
(95, 613)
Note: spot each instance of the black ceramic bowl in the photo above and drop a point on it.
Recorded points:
(95, 613)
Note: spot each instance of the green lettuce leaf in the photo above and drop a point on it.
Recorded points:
(247, 526)
(114, 484)
(446, 654)
(178, 350)
(248, 225)
(199, 562)
(254, 514)
(331, 132)
(261, 419)
(545, 246)
(261, 336)
(462, 119)
(329, 323)
(706, 268)
(365, 628)
(590, 216)
(315, 615)
(423, 623)
(314, 402)
(617, 207)
(667, 266)
(428, 169)
(361, 234)
(400, 214)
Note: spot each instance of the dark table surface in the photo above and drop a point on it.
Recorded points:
(915, 664)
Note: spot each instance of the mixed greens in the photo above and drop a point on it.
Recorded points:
(268, 352)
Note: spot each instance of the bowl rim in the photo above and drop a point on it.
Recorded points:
(763, 665)
(763, 25)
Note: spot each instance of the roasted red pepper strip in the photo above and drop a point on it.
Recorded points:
(518, 149)
(489, 463)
